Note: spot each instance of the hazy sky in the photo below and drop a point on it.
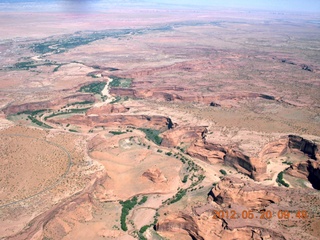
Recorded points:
(101, 5)
(281, 5)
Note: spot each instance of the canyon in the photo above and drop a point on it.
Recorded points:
(159, 122)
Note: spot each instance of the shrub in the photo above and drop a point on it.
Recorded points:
(178, 196)
(39, 123)
(152, 135)
(117, 99)
(120, 82)
(287, 162)
(223, 172)
(185, 178)
(280, 180)
(95, 87)
(32, 113)
(116, 132)
(143, 200)
(144, 228)
(126, 207)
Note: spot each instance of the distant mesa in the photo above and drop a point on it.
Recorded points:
(177, 94)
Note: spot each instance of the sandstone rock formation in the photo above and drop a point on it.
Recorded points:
(107, 109)
(233, 194)
(253, 167)
(154, 175)
(203, 226)
(253, 233)
(314, 173)
(54, 103)
(208, 152)
(305, 169)
(184, 94)
(308, 170)
(155, 122)
(186, 134)
(274, 149)
(214, 153)
(304, 145)
(181, 222)
(129, 92)
(290, 143)
(299, 170)
(234, 191)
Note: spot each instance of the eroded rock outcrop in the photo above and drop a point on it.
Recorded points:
(304, 145)
(155, 122)
(186, 134)
(274, 149)
(232, 194)
(161, 93)
(299, 170)
(154, 175)
(234, 191)
(314, 174)
(290, 143)
(204, 226)
(183, 94)
(214, 153)
(308, 170)
(208, 152)
(107, 109)
(253, 167)
(181, 222)
(48, 218)
(54, 103)
(129, 92)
